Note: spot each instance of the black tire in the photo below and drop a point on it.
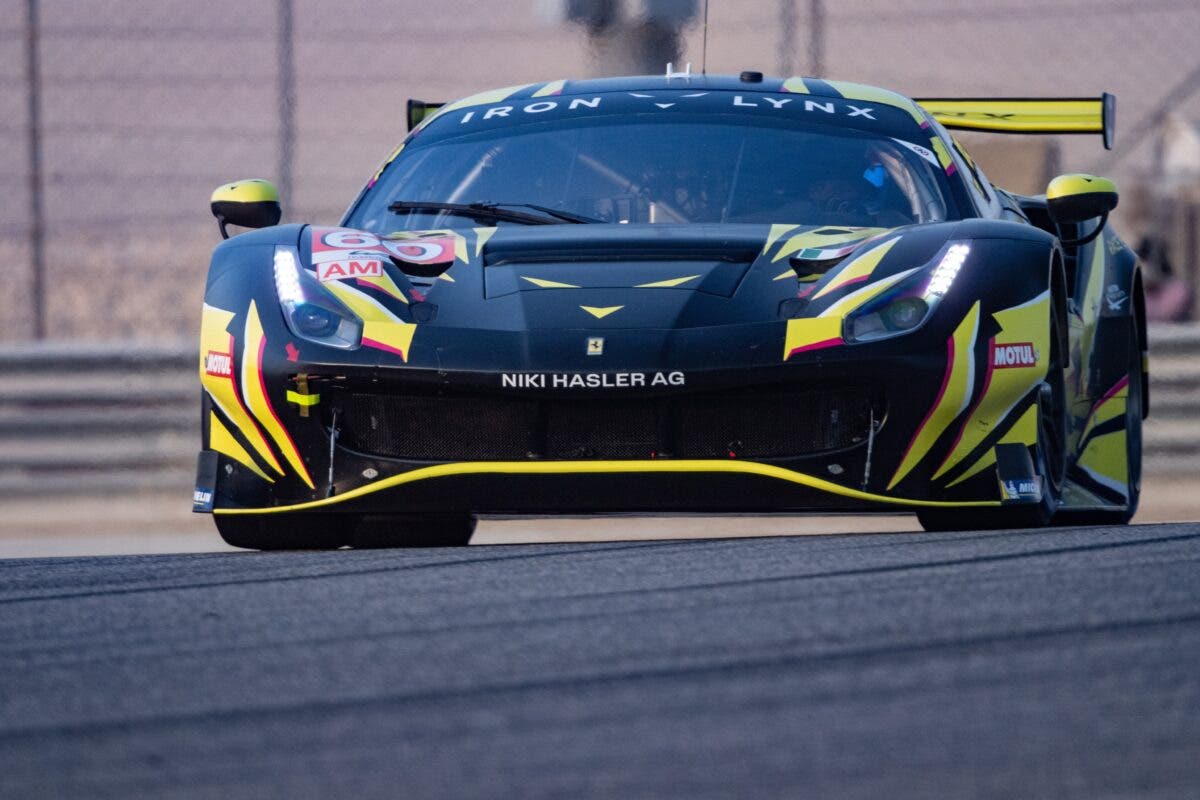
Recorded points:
(1134, 412)
(1049, 461)
(414, 530)
(286, 531)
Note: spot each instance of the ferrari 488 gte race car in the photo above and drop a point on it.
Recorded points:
(680, 294)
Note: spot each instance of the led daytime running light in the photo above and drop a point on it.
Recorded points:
(947, 270)
(287, 277)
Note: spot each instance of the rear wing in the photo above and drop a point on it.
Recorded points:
(1028, 115)
(419, 111)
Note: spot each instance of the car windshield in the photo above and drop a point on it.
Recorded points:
(684, 168)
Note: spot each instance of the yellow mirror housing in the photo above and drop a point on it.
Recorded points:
(1071, 199)
(249, 204)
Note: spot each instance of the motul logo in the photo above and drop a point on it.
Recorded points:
(218, 364)
(1014, 355)
(343, 270)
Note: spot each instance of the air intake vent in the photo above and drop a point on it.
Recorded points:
(770, 423)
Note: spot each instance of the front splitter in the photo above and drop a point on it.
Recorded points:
(559, 487)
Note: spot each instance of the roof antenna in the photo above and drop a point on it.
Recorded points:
(671, 73)
(704, 46)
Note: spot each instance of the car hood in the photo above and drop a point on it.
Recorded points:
(644, 277)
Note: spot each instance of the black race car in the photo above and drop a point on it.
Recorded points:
(675, 294)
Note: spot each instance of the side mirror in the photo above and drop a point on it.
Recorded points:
(1072, 199)
(247, 204)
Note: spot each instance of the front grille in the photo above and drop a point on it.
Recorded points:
(757, 424)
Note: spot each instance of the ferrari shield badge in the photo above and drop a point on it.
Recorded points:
(595, 345)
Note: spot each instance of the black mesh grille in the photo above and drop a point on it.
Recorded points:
(767, 423)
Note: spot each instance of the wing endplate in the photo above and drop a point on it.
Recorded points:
(419, 111)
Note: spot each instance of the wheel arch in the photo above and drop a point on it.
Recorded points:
(1138, 308)
(1058, 297)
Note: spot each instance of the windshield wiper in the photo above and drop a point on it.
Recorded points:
(554, 212)
(492, 211)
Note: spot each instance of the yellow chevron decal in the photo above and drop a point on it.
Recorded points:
(811, 333)
(385, 284)
(255, 391)
(1111, 406)
(481, 237)
(547, 284)
(222, 441)
(774, 234)
(1023, 432)
(857, 269)
(215, 339)
(873, 94)
(554, 87)
(481, 99)
(953, 397)
(937, 146)
(795, 84)
(381, 328)
(609, 468)
(1004, 388)
(667, 284)
(601, 313)
(824, 238)
(1105, 459)
(865, 294)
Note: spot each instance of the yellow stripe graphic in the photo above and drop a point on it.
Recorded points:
(865, 294)
(601, 313)
(385, 284)
(380, 326)
(1028, 322)
(954, 397)
(667, 284)
(860, 267)
(548, 284)
(215, 338)
(256, 395)
(221, 440)
(1023, 432)
(774, 234)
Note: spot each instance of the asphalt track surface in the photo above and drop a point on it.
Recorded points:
(1007, 664)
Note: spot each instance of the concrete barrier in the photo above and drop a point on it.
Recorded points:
(81, 417)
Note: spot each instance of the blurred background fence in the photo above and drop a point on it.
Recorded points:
(118, 117)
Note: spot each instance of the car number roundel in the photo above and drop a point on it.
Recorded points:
(429, 251)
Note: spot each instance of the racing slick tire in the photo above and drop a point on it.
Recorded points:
(1135, 411)
(1049, 461)
(290, 531)
(414, 530)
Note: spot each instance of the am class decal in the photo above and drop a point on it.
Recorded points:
(346, 254)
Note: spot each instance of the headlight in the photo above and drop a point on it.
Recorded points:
(312, 313)
(906, 307)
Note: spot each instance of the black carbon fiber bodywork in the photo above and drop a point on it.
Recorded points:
(694, 399)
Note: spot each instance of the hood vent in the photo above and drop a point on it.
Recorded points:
(601, 243)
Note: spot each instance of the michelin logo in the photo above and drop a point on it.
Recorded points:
(202, 500)
(1025, 489)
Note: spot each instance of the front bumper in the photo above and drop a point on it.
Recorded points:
(818, 436)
